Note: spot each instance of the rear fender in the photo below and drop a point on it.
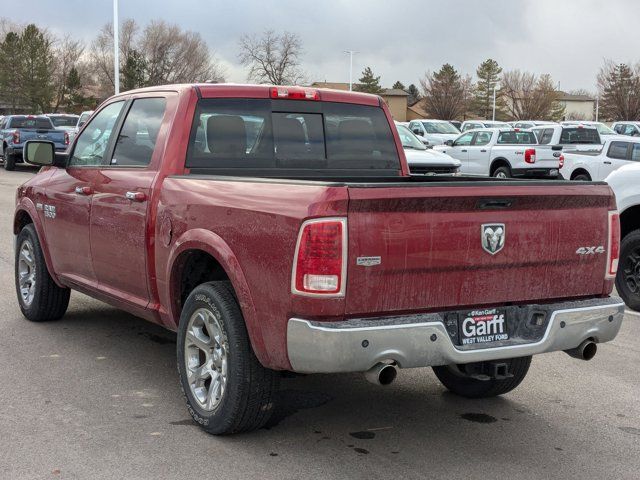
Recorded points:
(214, 245)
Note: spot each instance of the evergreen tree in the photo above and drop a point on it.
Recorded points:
(488, 77)
(73, 87)
(11, 69)
(447, 94)
(134, 72)
(369, 83)
(37, 68)
(620, 87)
(414, 94)
(399, 85)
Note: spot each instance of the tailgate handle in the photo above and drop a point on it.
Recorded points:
(495, 203)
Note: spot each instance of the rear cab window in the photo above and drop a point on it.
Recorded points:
(618, 150)
(588, 136)
(289, 138)
(516, 138)
(37, 123)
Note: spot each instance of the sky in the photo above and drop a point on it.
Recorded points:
(569, 39)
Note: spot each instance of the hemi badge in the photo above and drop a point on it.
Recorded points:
(368, 261)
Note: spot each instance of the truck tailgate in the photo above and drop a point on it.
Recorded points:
(429, 240)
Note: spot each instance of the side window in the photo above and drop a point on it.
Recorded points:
(618, 150)
(139, 133)
(635, 152)
(482, 138)
(94, 140)
(629, 130)
(547, 135)
(619, 128)
(464, 140)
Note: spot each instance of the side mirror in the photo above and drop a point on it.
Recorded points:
(449, 143)
(42, 154)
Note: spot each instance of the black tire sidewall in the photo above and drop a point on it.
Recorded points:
(506, 170)
(630, 242)
(211, 296)
(581, 178)
(9, 161)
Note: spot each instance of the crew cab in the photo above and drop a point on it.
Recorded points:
(617, 151)
(278, 229)
(423, 160)
(631, 129)
(433, 132)
(503, 153)
(15, 130)
(570, 137)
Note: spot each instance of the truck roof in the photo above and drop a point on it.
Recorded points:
(231, 90)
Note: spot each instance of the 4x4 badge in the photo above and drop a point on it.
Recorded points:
(493, 237)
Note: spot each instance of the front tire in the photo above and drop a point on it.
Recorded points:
(582, 177)
(628, 276)
(39, 297)
(456, 379)
(226, 388)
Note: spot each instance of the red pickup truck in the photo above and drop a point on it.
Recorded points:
(277, 229)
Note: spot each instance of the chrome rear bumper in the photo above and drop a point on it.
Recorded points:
(422, 340)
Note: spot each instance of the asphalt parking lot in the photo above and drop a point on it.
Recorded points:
(96, 395)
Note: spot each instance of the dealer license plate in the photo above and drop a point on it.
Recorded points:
(483, 327)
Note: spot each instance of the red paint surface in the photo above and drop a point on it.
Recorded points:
(428, 236)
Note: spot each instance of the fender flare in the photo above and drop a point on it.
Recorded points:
(214, 245)
(499, 159)
(26, 205)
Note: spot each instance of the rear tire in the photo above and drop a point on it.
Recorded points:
(9, 161)
(582, 177)
(457, 381)
(226, 388)
(628, 276)
(502, 172)
(39, 297)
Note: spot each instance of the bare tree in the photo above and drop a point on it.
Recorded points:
(619, 87)
(174, 56)
(102, 53)
(447, 95)
(67, 55)
(272, 58)
(528, 96)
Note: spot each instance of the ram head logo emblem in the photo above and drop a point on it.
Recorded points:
(493, 237)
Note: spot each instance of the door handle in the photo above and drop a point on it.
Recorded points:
(483, 151)
(84, 190)
(607, 163)
(136, 196)
(463, 151)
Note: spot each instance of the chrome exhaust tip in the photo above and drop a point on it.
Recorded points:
(382, 374)
(585, 351)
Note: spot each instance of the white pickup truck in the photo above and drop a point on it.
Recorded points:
(433, 132)
(617, 151)
(625, 183)
(504, 153)
(573, 137)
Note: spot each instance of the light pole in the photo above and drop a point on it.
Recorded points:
(597, 106)
(116, 48)
(351, 53)
(495, 87)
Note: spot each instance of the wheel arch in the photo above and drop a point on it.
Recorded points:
(208, 257)
(580, 171)
(24, 215)
(629, 220)
(497, 163)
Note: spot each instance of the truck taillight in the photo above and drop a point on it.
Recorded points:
(15, 138)
(320, 262)
(613, 251)
(66, 138)
(530, 155)
(561, 161)
(295, 93)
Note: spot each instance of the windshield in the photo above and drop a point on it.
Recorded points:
(64, 120)
(496, 125)
(440, 127)
(408, 139)
(40, 123)
(604, 130)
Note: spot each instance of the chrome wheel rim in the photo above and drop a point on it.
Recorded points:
(205, 356)
(501, 175)
(631, 272)
(26, 273)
